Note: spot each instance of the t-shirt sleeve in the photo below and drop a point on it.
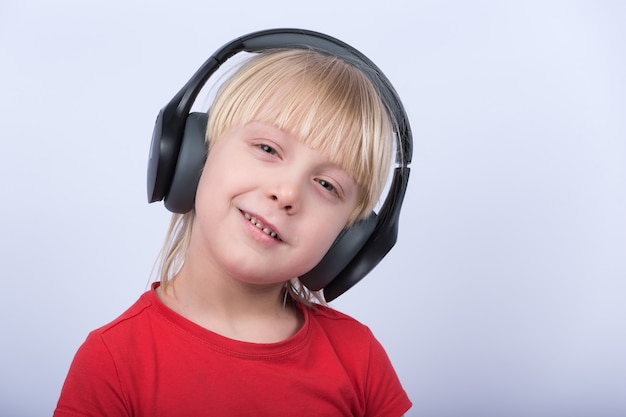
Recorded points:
(385, 395)
(92, 386)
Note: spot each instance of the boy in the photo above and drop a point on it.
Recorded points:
(300, 144)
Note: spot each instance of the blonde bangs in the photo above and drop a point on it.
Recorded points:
(325, 102)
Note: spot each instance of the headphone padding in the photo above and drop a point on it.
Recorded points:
(191, 158)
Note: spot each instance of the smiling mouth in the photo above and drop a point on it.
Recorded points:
(262, 227)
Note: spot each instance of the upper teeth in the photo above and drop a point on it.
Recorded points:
(260, 225)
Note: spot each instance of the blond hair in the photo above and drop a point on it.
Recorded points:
(327, 103)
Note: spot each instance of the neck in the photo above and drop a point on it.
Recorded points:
(231, 307)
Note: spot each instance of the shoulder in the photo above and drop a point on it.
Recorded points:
(362, 356)
(128, 317)
(95, 382)
(131, 328)
(344, 332)
(333, 319)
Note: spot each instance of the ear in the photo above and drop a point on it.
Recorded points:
(191, 158)
(343, 250)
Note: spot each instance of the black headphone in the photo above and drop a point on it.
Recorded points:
(178, 153)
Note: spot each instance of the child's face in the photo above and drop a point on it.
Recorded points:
(268, 207)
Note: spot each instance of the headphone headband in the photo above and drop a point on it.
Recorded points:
(173, 171)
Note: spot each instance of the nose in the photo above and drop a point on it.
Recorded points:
(286, 192)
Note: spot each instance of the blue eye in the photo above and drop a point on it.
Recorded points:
(327, 185)
(268, 149)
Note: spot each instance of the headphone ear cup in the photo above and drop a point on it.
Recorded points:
(344, 249)
(191, 158)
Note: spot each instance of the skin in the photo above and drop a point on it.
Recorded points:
(235, 268)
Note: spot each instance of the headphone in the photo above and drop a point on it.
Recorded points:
(178, 152)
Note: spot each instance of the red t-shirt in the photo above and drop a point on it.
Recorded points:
(153, 362)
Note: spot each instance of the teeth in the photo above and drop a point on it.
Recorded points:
(260, 225)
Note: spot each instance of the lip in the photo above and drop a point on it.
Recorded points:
(264, 227)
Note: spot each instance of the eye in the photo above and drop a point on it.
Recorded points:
(327, 185)
(267, 149)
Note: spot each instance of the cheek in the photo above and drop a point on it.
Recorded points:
(333, 227)
(212, 178)
(203, 193)
(326, 235)
(209, 194)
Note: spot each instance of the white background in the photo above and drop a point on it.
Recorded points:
(506, 292)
